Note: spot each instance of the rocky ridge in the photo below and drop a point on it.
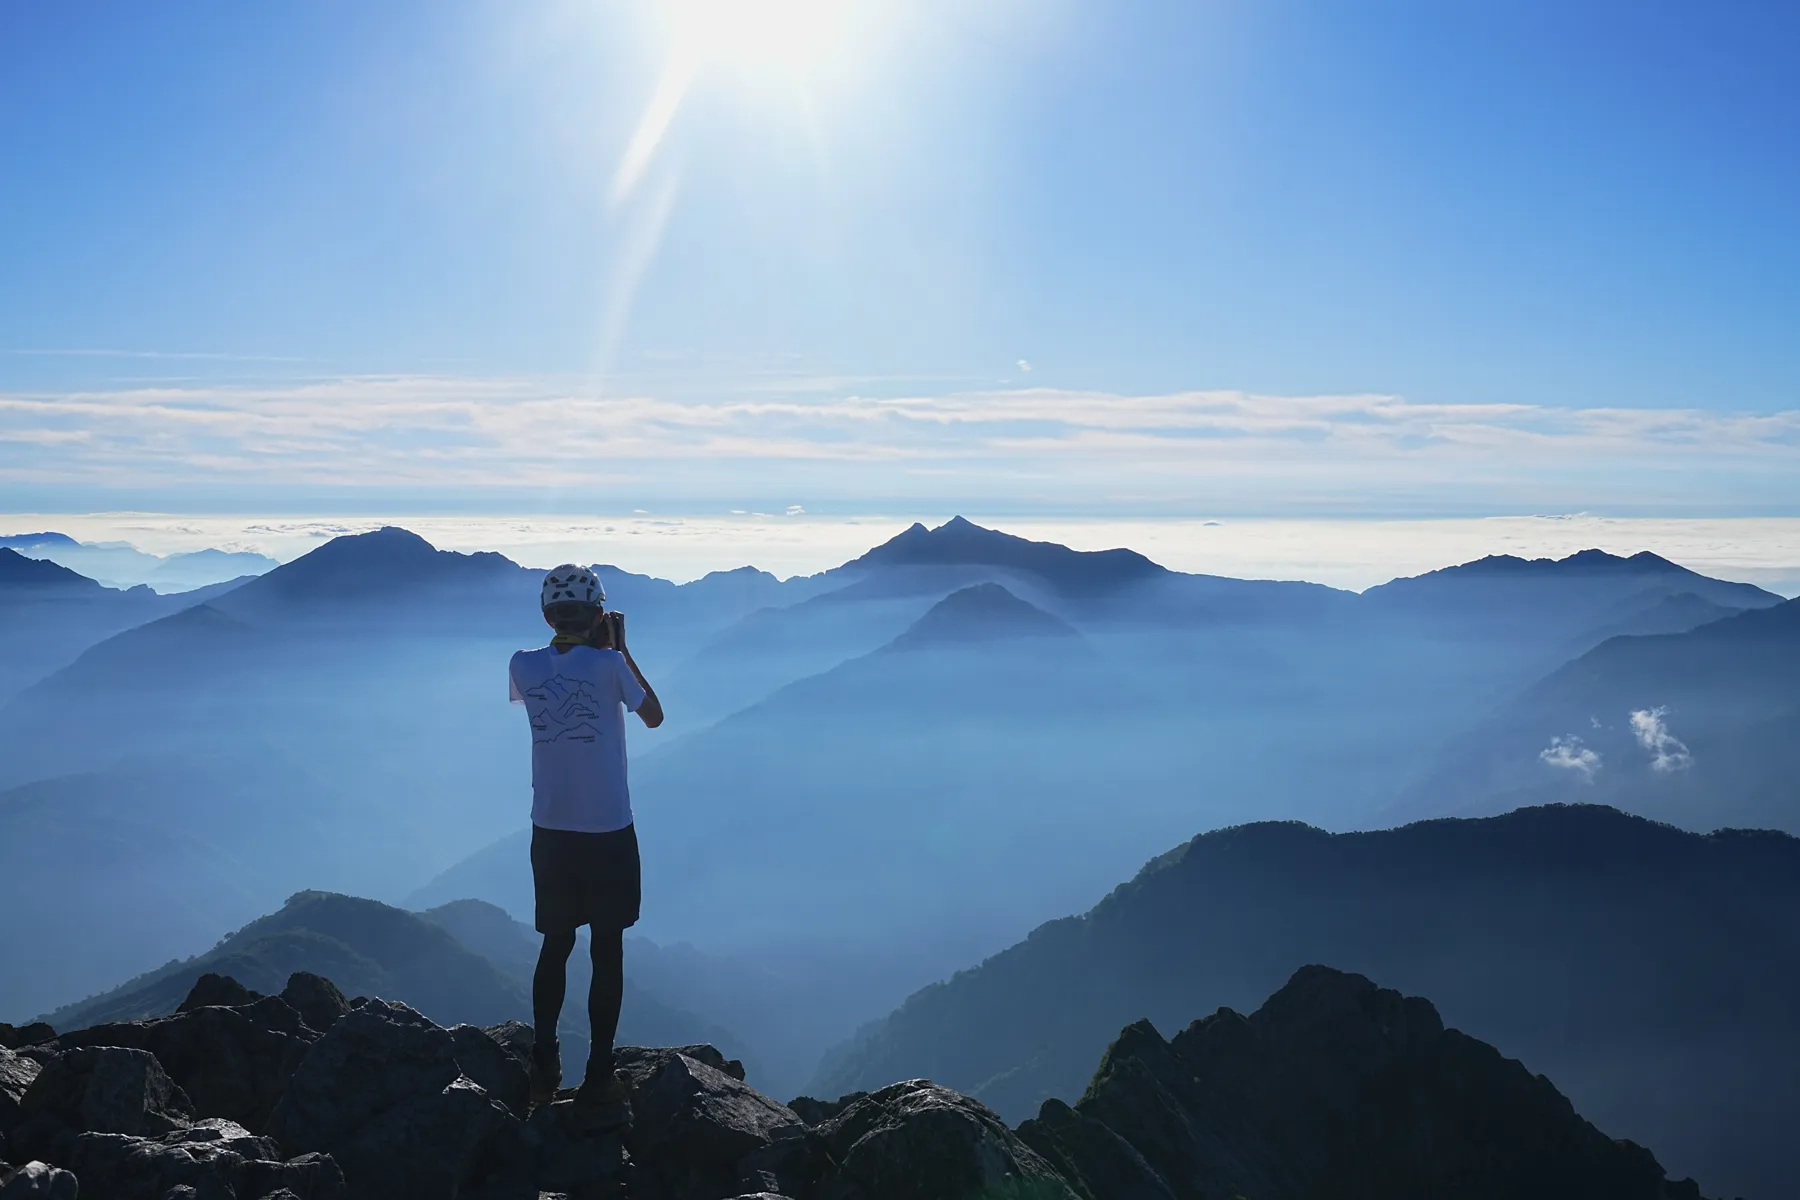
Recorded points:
(1335, 1087)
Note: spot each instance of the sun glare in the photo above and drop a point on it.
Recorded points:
(781, 37)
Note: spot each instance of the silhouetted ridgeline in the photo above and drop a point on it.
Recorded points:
(1651, 972)
(462, 963)
(1334, 1090)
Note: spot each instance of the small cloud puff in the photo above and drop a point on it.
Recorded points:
(1025, 366)
(1568, 754)
(1667, 752)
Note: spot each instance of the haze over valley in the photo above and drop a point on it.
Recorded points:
(899, 600)
(878, 776)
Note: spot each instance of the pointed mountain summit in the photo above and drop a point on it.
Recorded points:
(960, 542)
(381, 565)
(985, 612)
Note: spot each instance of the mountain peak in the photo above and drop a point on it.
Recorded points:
(1584, 562)
(985, 612)
(961, 542)
(373, 565)
(19, 570)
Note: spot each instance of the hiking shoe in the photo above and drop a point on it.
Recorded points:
(546, 1075)
(602, 1089)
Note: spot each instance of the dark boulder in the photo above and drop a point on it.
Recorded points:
(218, 1159)
(16, 1037)
(16, 1074)
(217, 991)
(569, 1159)
(694, 1124)
(516, 1038)
(639, 1063)
(492, 1065)
(107, 1089)
(316, 999)
(37, 1181)
(917, 1141)
(382, 1094)
(231, 1062)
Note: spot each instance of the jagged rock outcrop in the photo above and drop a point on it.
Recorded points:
(701, 1131)
(316, 999)
(16, 1074)
(917, 1141)
(37, 1181)
(385, 1095)
(1334, 1088)
(213, 1157)
(232, 1062)
(14, 1037)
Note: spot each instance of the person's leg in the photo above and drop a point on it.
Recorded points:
(605, 995)
(548, 984)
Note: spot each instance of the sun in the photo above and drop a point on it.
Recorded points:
(768, 37)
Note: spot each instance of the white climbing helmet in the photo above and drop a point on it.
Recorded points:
(570, 584)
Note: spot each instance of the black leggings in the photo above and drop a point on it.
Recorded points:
(551, 981)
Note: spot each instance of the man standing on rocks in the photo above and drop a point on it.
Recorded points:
(584, 851)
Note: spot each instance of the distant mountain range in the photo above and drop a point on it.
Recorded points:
(119, 565)
(870, 777)
(50, 614)
(1650, 971)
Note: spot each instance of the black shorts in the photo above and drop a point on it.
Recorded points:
(585, 879)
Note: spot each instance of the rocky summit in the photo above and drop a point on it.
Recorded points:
(1334, 1088)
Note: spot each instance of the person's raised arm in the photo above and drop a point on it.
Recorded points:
(649, 709)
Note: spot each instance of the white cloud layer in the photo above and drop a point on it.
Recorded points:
(1029, 446)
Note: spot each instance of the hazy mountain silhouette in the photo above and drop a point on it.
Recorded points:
(1561, 593)
(31, 540)
(50, 614)
(121, 565)
(1715, 736)
(985, 612)
(18, 573)
(1665, 613)
(463, 962)
(365, 947)
(390, 574)
(960, 542)
(1650, 971)
(200, 568)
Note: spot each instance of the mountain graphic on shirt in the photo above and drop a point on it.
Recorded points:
(563, 709)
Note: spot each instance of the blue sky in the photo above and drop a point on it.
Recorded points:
(1259, 257)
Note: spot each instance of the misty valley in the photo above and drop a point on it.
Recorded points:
(964, 808)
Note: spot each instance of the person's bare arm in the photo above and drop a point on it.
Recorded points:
(651, 710)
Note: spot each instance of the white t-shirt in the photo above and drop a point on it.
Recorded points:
(577, 700)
